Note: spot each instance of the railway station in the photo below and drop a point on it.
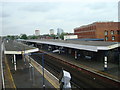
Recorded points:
(46, 45)
(98, 57)
(20, 73)
(93, 50)
(90, 64)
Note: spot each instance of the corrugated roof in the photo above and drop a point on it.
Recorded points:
(13, 47)
(83, 45)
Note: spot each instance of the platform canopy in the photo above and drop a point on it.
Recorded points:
(14, 47)
(82, 45)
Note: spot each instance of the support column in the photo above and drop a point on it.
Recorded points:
(59, 50)
(30, 71)
(105, 61)
(75, 54)
(15, 62)
(12, 60)
(43, 70)
(41, 46)
(69, 51)
(33, 75)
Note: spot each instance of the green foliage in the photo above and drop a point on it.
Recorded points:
(62, 35)
(23, 36)
(54, 36)
(33, 37)
(12, 37)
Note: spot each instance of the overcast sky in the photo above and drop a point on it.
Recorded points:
(25, 17)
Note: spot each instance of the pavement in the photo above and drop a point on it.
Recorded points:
(24, 77)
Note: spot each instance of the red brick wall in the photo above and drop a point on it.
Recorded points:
(97, 30)
(85, 32)
(107, 26)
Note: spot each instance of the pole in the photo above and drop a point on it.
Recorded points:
(59, 50)
(75, 54)
(69, 51)
(24, 56)
(106, 61)
(33, 75)
(43, 69)
(15, 62)
(30, 71)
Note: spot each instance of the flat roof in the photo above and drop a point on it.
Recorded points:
(14, 47)
(83, 45)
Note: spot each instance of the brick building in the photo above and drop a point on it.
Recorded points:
(109, 31)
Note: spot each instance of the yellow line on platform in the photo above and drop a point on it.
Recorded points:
(11, 78)
(49, 77)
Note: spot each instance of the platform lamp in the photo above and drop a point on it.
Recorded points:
(42, 67)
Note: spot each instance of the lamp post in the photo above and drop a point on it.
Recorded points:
(42, 64)
(43, 69)
(32, 75)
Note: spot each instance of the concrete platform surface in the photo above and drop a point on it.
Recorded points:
(24, 77)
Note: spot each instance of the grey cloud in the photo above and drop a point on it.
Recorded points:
(40, 7)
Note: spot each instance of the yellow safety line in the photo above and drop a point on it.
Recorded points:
(45, 76)
(34, 63)
(10, 73)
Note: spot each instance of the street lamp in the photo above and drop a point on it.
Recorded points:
(54, 51)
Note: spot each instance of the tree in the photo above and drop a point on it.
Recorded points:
(62, 35)
(23, 36)
(53, 35)
(33, 37)
(11, 37)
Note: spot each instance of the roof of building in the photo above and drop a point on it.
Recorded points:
(94, 23)
(83, 45)
(88, 39)
(13, 47)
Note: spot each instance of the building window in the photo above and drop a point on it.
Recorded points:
(112, 32)
(106, 32)
(113, 38)
(118, 32)
(106, 38)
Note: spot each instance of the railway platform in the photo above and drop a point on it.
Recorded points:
(18, 72)
(24, 78)
(93, 66)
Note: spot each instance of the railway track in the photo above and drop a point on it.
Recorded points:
(53, 69)
(79, 79)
